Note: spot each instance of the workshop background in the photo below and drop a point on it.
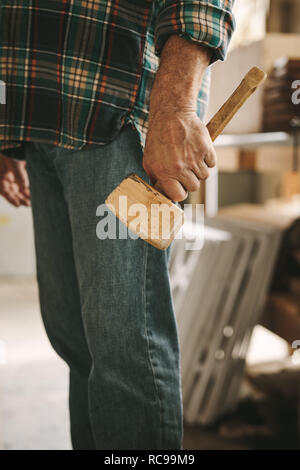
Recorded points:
(237, 300)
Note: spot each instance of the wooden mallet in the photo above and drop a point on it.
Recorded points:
(150, 214)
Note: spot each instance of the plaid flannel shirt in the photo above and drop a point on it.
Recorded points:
(76, 71)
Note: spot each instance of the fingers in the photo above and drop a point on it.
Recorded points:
(21, 178)
(177, 187)
(11, 199)
(211, 158)
(178, 155)
(14, 184)
(10, 190)
(201, 170)
(172, 189)
(24, 200)
(9, 193)
(190, 180)
(204, 159)
(207, 152)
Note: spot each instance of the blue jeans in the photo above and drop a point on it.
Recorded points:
(106, 304)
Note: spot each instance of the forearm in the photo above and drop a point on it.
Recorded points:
(178, 80)
(189, 36)
(178, 148)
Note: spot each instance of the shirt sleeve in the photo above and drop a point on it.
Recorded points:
(207, 22)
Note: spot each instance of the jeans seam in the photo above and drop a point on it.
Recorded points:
(148, 341)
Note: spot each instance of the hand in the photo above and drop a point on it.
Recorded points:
(14, 184)
(178, 152)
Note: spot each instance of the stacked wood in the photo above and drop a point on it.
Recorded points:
(219, 294)
(282, 312)
(281, 112)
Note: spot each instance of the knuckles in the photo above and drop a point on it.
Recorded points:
(193, 186)
(178, 166)
(163, 168)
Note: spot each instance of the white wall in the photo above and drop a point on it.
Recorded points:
(16, 240)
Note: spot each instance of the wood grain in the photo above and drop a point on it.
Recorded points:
(151, 228)
(248, 85)
(145, 211)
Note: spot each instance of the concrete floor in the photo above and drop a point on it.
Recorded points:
(34, 381)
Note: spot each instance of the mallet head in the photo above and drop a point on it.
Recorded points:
(145, 211)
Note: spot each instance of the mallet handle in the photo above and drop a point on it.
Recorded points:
(248, 85)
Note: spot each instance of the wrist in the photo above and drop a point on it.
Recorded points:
(168, 96)
(179, 77)
(164, 110)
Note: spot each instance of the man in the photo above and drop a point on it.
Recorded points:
(78, 78)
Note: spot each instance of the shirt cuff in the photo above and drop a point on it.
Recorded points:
(210, 23)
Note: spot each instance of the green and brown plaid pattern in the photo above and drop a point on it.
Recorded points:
(76, 70)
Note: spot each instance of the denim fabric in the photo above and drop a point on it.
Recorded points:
(106, 304)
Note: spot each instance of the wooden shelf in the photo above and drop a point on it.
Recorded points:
(246, 141)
